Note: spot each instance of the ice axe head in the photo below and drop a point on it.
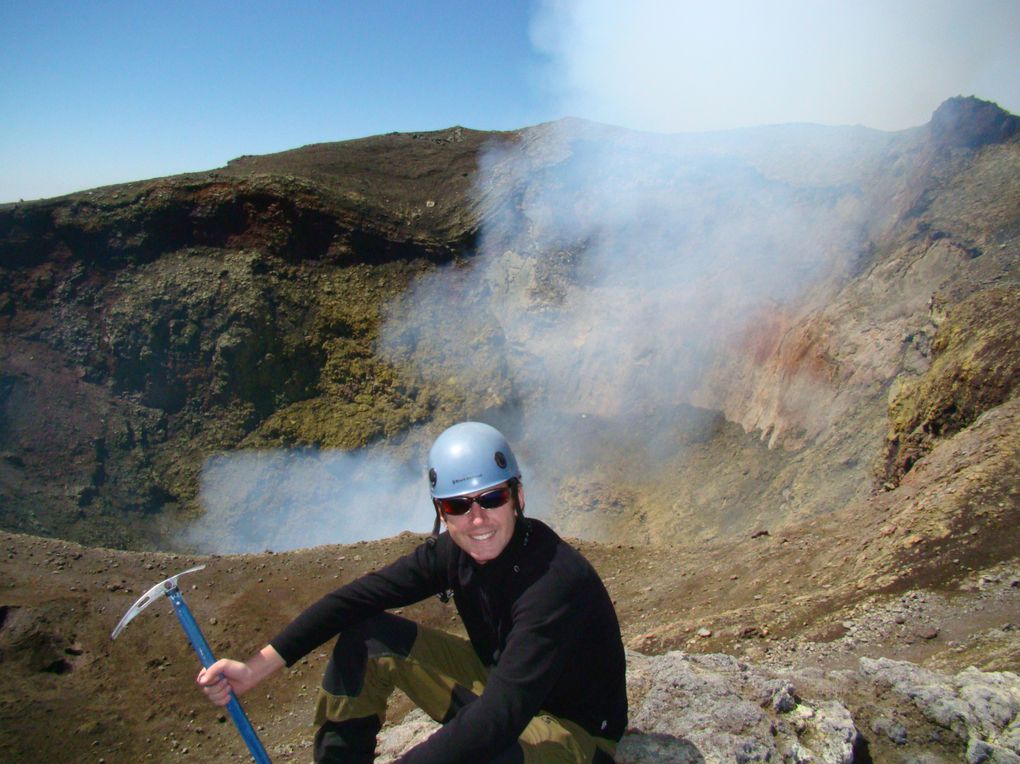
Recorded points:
(159, 590)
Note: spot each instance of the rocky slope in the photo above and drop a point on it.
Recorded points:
(146, 326)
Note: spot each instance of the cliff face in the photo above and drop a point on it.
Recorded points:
(790, 299)
(146, 326)
(818, 377)
(270, 303)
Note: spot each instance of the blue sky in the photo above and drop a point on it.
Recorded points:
(93, 93)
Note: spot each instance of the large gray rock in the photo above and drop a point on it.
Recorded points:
(703, 709)
(714, 708)
(982, 709)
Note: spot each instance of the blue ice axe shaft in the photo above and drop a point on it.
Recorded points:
(171, 590)
(198, 642)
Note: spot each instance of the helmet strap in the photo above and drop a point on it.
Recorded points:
(515, 485)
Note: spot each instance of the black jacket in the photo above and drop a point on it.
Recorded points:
(538, 615)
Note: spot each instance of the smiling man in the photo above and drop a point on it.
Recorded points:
(541, 678)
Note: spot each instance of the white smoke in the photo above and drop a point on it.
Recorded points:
(694, 66)
(287, 499)
(610, 267)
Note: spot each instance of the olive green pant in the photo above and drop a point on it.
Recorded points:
(440, 673)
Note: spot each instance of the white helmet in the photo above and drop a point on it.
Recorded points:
(469, 457)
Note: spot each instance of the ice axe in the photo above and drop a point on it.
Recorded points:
(190, 626)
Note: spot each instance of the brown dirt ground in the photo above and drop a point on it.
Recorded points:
(940, 586)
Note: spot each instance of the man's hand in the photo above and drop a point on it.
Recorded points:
(226, 676)
(222, 678)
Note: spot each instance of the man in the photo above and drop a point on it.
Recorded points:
(542, 678)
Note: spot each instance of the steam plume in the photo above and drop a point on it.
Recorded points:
(286, 499)
(611, 267)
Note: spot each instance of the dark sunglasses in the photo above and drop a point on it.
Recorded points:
(461, 505)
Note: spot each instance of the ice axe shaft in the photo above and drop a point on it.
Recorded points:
(198, 642)
(172, 591)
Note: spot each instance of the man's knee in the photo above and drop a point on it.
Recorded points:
(376, 637)
(382, 634)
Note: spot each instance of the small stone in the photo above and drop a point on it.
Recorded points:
(704, 633)
(897, 733)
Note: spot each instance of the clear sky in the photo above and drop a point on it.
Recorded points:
(101, 92)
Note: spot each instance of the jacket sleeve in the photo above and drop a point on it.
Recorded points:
(546, 625)
(410, 579)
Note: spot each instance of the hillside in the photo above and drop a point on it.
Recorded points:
(148, 325)
(766, 378)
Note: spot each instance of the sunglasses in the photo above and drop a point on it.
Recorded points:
(461, 505)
